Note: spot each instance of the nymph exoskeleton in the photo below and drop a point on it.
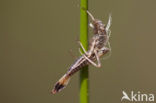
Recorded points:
(97, 48)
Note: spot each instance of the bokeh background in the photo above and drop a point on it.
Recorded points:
(36, 36)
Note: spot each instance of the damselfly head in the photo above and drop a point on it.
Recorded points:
(98, 23)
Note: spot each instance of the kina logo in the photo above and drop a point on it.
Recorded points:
(137, 96)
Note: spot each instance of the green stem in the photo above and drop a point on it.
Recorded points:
(84, 85)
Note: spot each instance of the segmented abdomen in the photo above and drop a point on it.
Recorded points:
(83, 62)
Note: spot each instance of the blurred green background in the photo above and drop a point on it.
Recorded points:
(36, 36)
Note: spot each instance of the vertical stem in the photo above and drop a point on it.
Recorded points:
(84, 83)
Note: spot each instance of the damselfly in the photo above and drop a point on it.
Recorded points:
(97, 48)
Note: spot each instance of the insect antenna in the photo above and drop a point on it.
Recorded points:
(92, 17)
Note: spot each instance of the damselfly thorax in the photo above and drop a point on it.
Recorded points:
(101, 32)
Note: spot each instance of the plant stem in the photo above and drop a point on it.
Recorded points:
(84, 83)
